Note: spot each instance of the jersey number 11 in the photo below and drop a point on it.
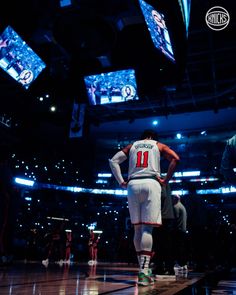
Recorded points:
(142, 159)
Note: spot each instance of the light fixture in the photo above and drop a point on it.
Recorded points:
(155, 122)
(52, 108)
(178, 136)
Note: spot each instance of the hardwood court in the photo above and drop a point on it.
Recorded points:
(80, 278)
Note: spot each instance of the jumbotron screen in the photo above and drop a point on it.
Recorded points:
(111, 87)
(18, 59)
(157, 28)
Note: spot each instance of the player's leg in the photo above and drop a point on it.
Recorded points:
(146, 248)
(150, 217)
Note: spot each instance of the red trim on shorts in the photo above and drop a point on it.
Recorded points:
(148, 223)
(148, 253)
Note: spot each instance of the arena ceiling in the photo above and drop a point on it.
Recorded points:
(198, 94)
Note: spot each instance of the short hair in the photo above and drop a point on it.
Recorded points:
(177, 196)
(149, 133)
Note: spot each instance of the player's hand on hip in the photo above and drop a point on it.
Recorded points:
(124, 184)
(162, 181)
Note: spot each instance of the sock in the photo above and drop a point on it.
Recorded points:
(144, 264)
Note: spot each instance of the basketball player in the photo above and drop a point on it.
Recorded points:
(144, 192)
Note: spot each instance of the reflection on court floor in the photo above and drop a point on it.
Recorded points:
(102, 278)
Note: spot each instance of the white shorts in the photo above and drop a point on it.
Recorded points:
(144, 201)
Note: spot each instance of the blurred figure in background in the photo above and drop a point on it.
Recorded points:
(8, 207)
(55, 248)
(228, 161)
(163, 236)
(68, 247)
(180, 236)
(93, 248)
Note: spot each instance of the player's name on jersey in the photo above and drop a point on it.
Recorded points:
(144, 145)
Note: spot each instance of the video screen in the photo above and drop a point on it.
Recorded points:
(111, 87)
(18, 59)
(65, 3)
(157, 27)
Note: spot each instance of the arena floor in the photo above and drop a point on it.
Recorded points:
(24, 278)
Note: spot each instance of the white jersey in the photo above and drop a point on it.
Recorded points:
(144, 159)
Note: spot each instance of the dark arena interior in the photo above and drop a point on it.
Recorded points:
(79, 81)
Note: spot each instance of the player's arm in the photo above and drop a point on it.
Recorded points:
(115, 162)
(172, 157)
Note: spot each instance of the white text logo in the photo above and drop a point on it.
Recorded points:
(217, 18)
